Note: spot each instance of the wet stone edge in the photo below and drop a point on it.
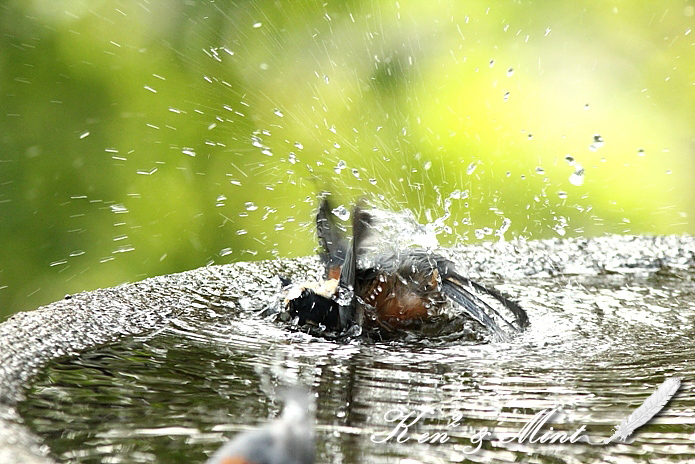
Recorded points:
(86, 320)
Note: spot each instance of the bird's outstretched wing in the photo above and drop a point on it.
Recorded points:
(469, 295)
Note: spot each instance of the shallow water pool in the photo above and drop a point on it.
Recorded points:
(599, 344)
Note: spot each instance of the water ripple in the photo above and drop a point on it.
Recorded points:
(597, 347)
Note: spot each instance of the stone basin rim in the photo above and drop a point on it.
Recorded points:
(29, 340)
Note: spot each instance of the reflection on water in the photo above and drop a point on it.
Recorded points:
(597, 347)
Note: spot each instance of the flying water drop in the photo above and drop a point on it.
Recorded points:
(598, 143)
(342, 213)
(577, 177)
(340, 166)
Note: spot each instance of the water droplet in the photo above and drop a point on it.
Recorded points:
(242, 232)
(471, 168)
(530, 136)
(250, 206)
(506, 96)
(292, 158)
(569, 159)
(356, 173)
(562, 195)
(336, 145)
(577, 177)
(372, 181)
(510, 71)
(492, 63)
(226, 251)
(560, 225)
(547, 31)
(124, 249)
(479, 234)
(345, 296)
(257, 25)
(326, 79)
(298, 146)
(340, 166)
(342, 213)
(278, 113)
(256, 141)
(427, 166)
(118, 208)
(540, 170)
(586, 107)
(506, 224)
(598, 143)
(188, 151)
(640, 152)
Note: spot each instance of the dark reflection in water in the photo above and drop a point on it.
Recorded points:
(597, 347)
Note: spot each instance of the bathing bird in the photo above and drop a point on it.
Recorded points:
(390, 289)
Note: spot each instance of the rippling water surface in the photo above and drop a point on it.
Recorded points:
(598, 346)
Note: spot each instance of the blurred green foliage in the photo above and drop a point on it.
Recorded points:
(144, 138)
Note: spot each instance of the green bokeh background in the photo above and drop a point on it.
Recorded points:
(145, 138)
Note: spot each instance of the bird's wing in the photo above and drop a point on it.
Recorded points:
(333, 246)
(361, 221)
(519, 313)
(467, 294)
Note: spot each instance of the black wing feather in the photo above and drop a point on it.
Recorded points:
(361, 220)
(333, 247)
